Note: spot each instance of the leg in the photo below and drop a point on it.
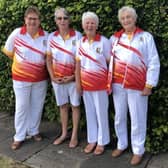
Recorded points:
(64, 124)
(75, 103)
(138, 114)
(64, 118)
(22, 95)
(75, 120)
(61, 95)
(101, 104)
(120, 121)
(91, 121)
(38, 94)
(91, 118)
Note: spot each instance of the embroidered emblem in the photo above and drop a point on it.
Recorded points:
(98, 50)
(141, 39)
(44, 42)
(73, 42)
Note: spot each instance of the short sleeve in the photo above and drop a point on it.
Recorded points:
(9, 45)
(106, 48)
(49, 53)
(78, 56)
(79, 35)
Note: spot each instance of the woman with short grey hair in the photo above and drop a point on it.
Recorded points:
(135, 72)
(93, 53)
(128, 9)
(61, 50)
(90, 15)
(63, 10)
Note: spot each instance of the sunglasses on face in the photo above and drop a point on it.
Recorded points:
(62, 18)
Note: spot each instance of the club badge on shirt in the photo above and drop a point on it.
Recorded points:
(73, 42)
(141, 39)
(98, 50)
(45, 43)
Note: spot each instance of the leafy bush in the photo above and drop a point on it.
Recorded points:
(152, 17)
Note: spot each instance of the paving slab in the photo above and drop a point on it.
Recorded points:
(107, 161)
(159, 161)
(7, 122)
(29, 148)
(46, 155)
(3, 115)
(58, 156)
(4, 134)
(50, 130)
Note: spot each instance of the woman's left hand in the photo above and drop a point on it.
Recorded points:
(68, 79)
(146, 91)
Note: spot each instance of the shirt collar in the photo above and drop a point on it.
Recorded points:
(71, 33)
(24, 31)
(119, 33)
(96, 38)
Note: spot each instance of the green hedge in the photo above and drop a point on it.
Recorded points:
(152, 17)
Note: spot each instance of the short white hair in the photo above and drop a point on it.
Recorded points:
(90, 15)
(128, 9)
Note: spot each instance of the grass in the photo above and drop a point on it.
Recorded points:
(6, 162)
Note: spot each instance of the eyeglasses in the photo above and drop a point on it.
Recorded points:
(62, 18)
(31, 18)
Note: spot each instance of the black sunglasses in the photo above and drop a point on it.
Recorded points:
(62, 18)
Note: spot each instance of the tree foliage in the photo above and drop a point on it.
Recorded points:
(152, 17)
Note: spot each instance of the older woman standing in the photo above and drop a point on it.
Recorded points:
(26, 46)
(93, 53)
(61, 52)
(135, 71)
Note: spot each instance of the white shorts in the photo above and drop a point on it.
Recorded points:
(66, 93)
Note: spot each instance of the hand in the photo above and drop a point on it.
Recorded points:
(79, 89)
(146, 91)
(67, 79)
(58, 80)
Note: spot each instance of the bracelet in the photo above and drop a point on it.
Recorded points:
(148, 86)
(77, 58)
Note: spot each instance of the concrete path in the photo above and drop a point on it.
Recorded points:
(46, 155)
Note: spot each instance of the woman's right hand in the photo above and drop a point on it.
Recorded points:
(58, 80)
(79, 89)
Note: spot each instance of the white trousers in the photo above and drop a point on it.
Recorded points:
(96, 107)
(125, 99)
(29, 99)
